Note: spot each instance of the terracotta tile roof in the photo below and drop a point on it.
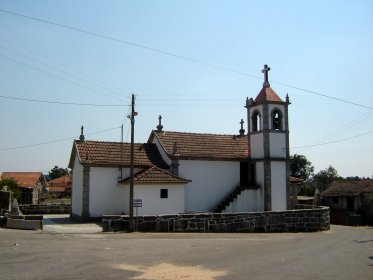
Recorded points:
(66, 179)
(267, 95)
(56, 189)
(348, 188)
(295, 180)
(203, 146)
(155, 175)
(24, 179)
(61, 182)
(116, 154)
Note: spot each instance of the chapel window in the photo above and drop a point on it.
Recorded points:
(164, 193)
(256, 121)
(276, 120)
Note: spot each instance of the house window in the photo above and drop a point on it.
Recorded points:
(164, 193)
(256, 121)
(276, 119)
(335, 200)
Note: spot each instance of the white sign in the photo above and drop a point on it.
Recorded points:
(137, 202)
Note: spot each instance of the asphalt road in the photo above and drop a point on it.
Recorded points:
(341, 253)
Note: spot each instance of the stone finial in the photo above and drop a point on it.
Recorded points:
(242, 130)
(265, 71)
(174, 149)
(287, 98)
(81, 137)
(15, 209)
(159, 126)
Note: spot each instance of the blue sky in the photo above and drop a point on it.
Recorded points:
(320, 46)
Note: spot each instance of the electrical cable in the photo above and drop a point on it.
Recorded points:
(62, 103)
(178, 56)
(331, 142)
(55, 141)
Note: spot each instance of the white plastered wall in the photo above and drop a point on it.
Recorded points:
(77, 188)
(259, 167)
(153, 204)
(278, 145)
(256, 145)
(278, 184)
(211, 182)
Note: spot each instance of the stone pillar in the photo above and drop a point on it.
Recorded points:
(4, 201)
(85, 197)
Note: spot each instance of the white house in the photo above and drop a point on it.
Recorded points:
(178, 172)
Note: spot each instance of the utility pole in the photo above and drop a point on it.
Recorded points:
(132, 118)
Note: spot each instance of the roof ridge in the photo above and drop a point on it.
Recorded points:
(200, 133)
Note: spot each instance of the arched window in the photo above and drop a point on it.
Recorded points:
(276, 119)
(256, 121)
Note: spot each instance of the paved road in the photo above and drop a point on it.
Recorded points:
(341, 253)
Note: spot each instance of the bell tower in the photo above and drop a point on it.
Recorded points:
(268, 131)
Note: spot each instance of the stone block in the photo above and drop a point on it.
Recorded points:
(105, 224)
(34, 217)
(24, 224)
(148, 226)
(180, 224)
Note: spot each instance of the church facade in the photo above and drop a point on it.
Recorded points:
(178, 172)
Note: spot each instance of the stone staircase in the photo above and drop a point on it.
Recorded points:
(231, 196)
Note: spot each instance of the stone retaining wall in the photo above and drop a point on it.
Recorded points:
(304, 220)
(32, 209)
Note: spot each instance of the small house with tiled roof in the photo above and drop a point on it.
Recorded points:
(349, 196)
(176, 172)
(61, 186)
(33, 185)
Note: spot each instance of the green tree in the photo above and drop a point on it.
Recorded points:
(57, 172)
(15, 192)
(324, 177)
(301, 167)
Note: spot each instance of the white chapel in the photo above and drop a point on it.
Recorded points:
(179, 172)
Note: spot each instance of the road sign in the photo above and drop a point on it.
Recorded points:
(137, 202)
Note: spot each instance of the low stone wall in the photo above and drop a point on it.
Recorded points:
(304, 220)
(32, 209)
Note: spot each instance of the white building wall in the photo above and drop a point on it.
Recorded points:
(77, 188)
(105, 197)
(256, 146)
(153, 204)
(245, 202)
(259, 167)
(278, 186)
(278, 145)
(211, 182)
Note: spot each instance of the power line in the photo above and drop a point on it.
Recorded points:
(58, 69)
(331, 142)
(60, 78)
(62, 103)
(55, 141)
(179, 57)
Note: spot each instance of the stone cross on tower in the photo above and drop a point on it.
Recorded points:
(265, 71)
(242, 131)
(159, 126)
